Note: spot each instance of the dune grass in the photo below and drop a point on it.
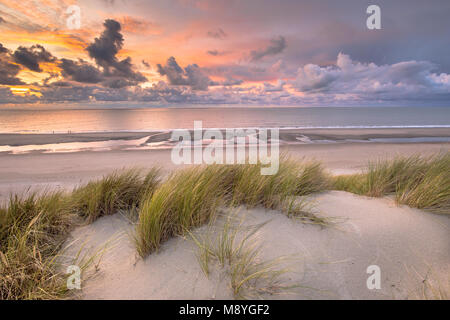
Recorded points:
(420, 182)
(284, 191)
(32, 231)
(188, 198)
(236, 249)
(191, 197)
(34, 227)
(294, 178)
(121, 190)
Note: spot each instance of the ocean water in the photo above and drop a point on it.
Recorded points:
(154, 119)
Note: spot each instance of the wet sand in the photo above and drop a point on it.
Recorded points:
(285, 135)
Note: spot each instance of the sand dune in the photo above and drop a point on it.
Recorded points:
(408, 245)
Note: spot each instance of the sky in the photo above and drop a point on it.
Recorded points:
(249, 52)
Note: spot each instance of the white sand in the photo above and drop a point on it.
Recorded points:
(409, 246)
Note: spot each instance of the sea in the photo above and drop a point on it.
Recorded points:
(154, 120)
(77, 120)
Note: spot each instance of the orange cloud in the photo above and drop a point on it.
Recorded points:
(137, 25)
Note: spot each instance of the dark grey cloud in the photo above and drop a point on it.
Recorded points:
(217, 34)
(216, 53)
(104, 50)
(2, 20)
(3, 49)
(116, 83)
(32, 57)
(277, 45)
(109, 71)
(229, 82)
(61, 84)
(8, 69)
(83, 72)
(80, 71)
(124, 69)
(192, 76)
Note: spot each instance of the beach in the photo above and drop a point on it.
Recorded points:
(325, 262)
(21, 139)
(342, 151)
(216, 150)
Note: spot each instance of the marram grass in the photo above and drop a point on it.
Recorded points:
(32, 230)
(420, 182)
(34, 227)
(188, 198)
(191, 197)
(236, 250)
(121, 190)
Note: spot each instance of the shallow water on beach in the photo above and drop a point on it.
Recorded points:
(145, 144)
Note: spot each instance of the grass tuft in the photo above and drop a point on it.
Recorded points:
(420, 182)
(237, 250)
(191, 197)
(121, 190)
(34, 227)
(32, 231)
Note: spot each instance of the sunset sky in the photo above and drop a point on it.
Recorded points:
(255, 52)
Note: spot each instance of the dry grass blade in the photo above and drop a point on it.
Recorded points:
(237, 251)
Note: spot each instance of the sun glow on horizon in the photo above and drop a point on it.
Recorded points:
(24, 91)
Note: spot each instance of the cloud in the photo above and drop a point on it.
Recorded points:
(80, 71)
(243, 72)
(137, 25)
(3, 49)
(104, 50)
(32, 57)
(216, 53)
(2, 20)
(6, 96)
(277, 45)
(110, 72)
(407, 80)
(228, 82)
(9, 70)
(60, 92)
(217, 34)
(279, 87)
(191, 76)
